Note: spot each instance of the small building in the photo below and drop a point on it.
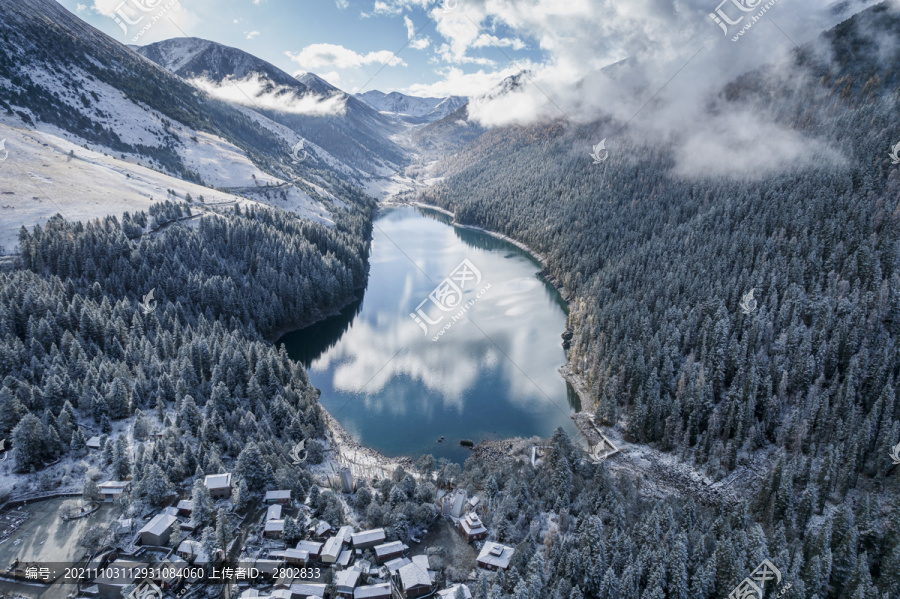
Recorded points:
(314, 549)
(307, 590)
(282, 497)
(219, 485)
(115, 577)
(344, 558)
(389, 551)
(93, 442)
(185, 507)
(495, 556)
(451, 592)
(273, 529)
(345, 581)
(296, 557)
(268, 567)
(472, 527)
(321, 530)
(373, 591)
(395, 564)
(274, 512)
(111, 489)
(167, 575)
(457, 503)
(332, 550)
(366, 539)
(345, 533)
(157, 531)
(192, 551)
(414, 581)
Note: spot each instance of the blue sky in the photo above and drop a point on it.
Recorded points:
(345, 41)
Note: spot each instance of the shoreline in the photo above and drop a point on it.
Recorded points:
(318, 317)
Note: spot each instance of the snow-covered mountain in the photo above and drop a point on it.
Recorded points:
(347, 128)
(111, 114)
(412, 108)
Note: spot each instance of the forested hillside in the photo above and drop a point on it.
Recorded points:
(81, 351)
(657, 264)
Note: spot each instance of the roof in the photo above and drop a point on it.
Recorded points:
(472, 524)
(307, 588)
(451, 592)
(190, 547)
(495, 554)
(284, 494)
(372, 590)
(396, 563)
(296, 554)
(368, 536)
(345, 533)
(411, 575)
(347, 578)
(218, 481)
(311, 546)
(274, 525)
(344, 558)
(159, 524)
(274, 512)
(267, 566)
(322, 527)
(333, 547)
(93, 441)
(421, 561)
(389, 548)
(185, 504)
(113, 485)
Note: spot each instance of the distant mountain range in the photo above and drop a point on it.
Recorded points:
(412, 108)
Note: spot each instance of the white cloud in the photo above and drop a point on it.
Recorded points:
(332, 77)
(259, 92)
(342, 4)
(419, 43)
(251, 34)
(80, 8)
(455, 82)
(317, 56)
(154, 20)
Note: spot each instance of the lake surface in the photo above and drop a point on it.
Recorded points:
(491, 373)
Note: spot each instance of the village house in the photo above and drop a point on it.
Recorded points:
(157, 530)
(273, 512)
(396, 563)
(345, 582)
(192, 551)
(119, 574)
(344, 558)
(296, 557)
(321, 531)
(454, 504)
(451, 592)
(366, 539)
(495, 556)
(313, 548)
(332, 550)
(306, 590)
(219, 485)
(472, 527)
(111, 489)
(373, 591)
(268, 568)
(93, 442)
(389, 551)
(185, 507)
(414, 581)
(282, 497)
(167, 576)
(273, 528)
